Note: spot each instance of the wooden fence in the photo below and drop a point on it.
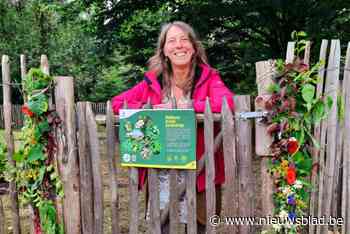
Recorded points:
(248, 187)
(18, 118)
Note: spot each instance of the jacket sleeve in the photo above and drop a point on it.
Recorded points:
(132, 97)
(217, 92)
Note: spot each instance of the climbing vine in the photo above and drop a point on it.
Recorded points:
(34, 172)
(294, 109)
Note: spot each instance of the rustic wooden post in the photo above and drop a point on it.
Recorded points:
(331, 90)
(209, 165)
(265, 71)
(191, 201)
(96, 171)
(67, 154)
(6, 81)
(290, 52)
(112, 148)
(244, 156)
(345, 205)
(133, 196)
(154, 209)
(230, 192)
(317, 160)
(2, 218)
(86, 187)
(307, 52)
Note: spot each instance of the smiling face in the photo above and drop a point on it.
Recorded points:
(178, 48)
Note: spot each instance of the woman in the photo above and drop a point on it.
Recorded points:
(179, 71)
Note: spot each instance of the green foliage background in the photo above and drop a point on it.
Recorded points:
(105, 44)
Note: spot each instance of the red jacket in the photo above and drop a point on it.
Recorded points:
(207, 84)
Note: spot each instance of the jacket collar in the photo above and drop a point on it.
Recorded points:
(202, 74)
(151, 79)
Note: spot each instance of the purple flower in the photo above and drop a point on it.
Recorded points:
(292, 216)
(291, 200)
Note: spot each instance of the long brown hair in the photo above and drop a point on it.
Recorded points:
(160, 64)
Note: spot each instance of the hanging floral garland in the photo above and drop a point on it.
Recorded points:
(35, 175)
(294, 110)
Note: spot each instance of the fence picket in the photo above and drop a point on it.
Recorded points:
(317, 160)
(133, 196)
(67, 154)
(331, 90)
(345, 204)
(6, 80)
(2, 218)
(96, 170)
(209, 165)
(230, 192)
(85, 166)
(191, 201)
(112, 149)
(265, 71)
(290, 52)
(244, 156)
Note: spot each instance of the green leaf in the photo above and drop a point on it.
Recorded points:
(273, 88)
(18, 156)
(314, 141)
(341, 107)
(308, 92)
(36, 153)
(302, 34)
(38, 104)
(303, 162)
(329, 102)
(318, 112)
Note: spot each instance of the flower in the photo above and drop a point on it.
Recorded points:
(291, 200)
(284, 165)
(292, 216)
(25, 110)
(277, 227)
(286, 190)
(292, 145)
(283, 214)
(291, 175)
(298, 184)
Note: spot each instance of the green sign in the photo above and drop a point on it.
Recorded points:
(159, 138)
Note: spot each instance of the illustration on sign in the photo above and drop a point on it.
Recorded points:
(158, 138)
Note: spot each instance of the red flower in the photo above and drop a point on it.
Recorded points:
(292, 145)
(27, 111)
(291, 175)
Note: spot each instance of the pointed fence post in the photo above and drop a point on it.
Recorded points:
(244, 156)
(6, 81)
(2, 218)
(96, 170)
(345, 206)
(85, 166)
(133, 196)
(230, 191)
(317, 160)
(209, 165)
(331, 89)
(265, 71)
(67, 154)
(112, 149)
